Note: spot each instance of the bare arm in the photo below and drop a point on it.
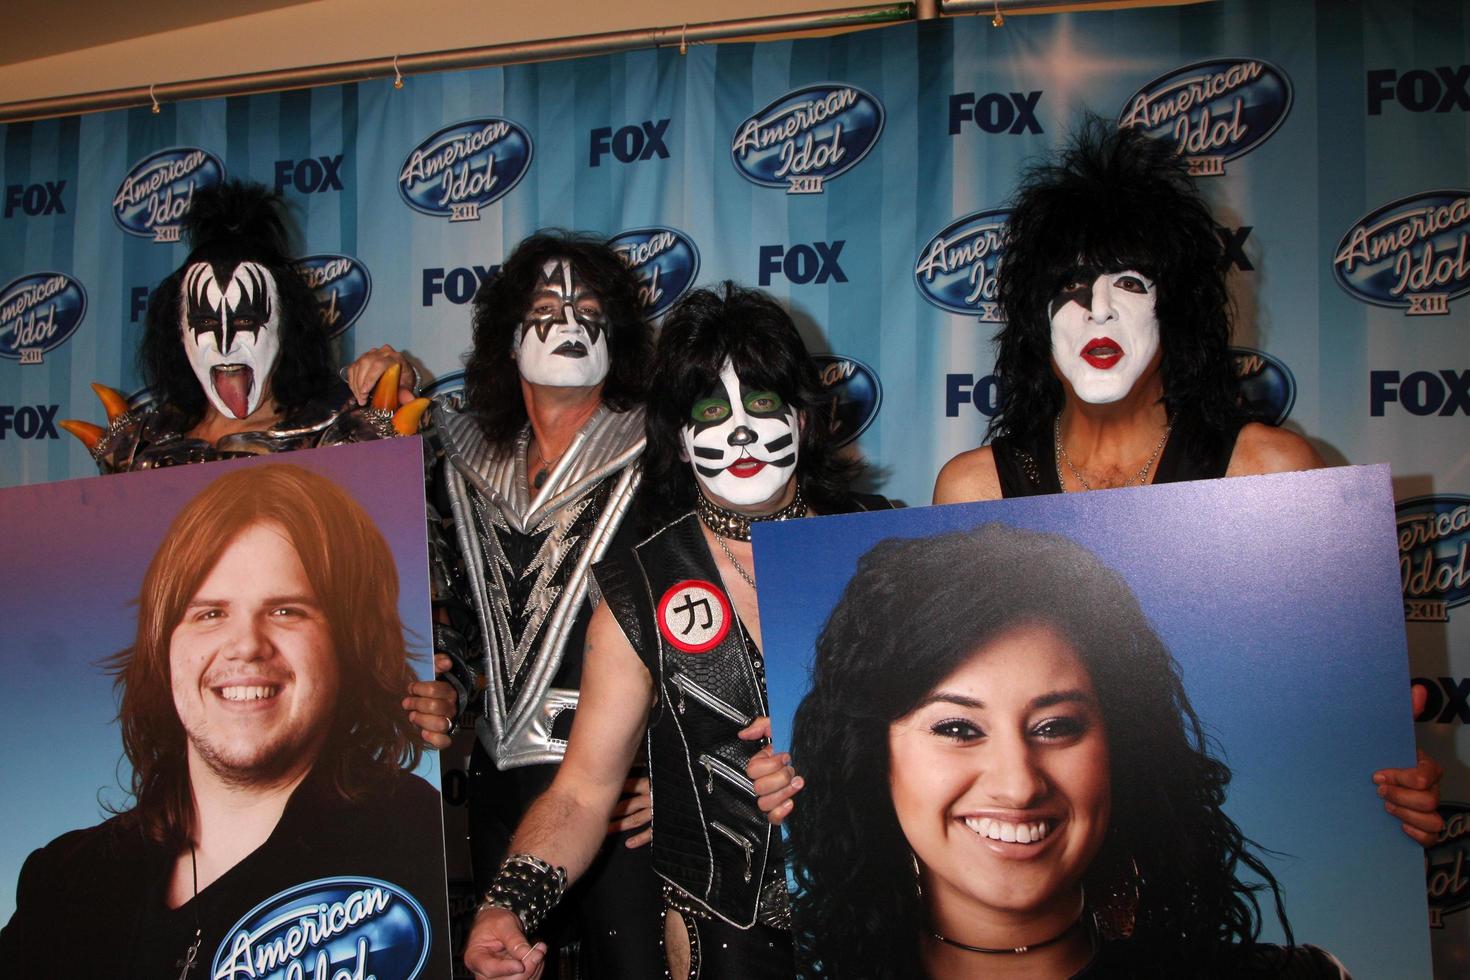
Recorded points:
(969, 476)
(567, 823)
(1267, 449)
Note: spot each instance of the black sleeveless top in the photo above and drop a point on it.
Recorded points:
(1027, 467)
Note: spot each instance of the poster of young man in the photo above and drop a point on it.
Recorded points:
(209, 771)
(1119, 733)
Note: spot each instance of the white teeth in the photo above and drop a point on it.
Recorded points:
(247, 693)
(1011, 833)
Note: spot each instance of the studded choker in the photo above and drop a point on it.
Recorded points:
(731, 524)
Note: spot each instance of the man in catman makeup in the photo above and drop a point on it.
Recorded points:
(1115, 357)
(537, 474)
(673, 662)
(235, 353)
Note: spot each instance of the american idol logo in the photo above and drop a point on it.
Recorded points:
(1413, 254)
(38, 312)
(465, 167)
(807, 137)
(1264, 387)
(855, 395)
(447, 386)
(1434, 555)
(665, 261)
(1447, 879)
(152, 199)
(957, 269)
(331, 927)
(1214, 111)
(342, 288)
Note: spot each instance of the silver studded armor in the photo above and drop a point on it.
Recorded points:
(527, 565)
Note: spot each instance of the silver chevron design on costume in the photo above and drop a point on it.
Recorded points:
(493, 508)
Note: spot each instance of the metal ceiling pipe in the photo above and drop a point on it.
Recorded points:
(955, 8)
(678, 35)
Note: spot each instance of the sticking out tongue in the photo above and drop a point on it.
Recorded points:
(233, 383)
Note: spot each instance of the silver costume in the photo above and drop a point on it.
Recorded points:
(526, 565)
(153, 437)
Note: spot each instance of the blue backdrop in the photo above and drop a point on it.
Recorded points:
(863, 180)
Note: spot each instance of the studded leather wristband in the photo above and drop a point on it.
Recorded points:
(528, 888)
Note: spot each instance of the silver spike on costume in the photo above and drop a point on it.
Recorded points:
(527, 560)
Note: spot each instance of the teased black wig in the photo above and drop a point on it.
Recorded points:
(231, 223)
(747, 328)
(909, 618)
(1116, 199)
(491, 377)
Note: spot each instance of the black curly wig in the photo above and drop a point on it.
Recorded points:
(227, 224)
(748, 328)
(492, 381)
(1116, 199)
(906, 621)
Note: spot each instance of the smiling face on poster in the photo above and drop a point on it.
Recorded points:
(264, 750)
(994, 704)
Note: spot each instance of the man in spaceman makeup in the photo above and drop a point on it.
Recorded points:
(562, 342)
(741, 441)
(1105, 333)
(231, 333)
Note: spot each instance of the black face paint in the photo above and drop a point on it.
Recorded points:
(559, 285)
(779, 443)
(1078, 290)
(225, 322)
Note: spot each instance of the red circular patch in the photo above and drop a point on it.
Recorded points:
(694, 616)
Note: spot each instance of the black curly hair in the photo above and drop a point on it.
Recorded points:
(1116, 199)
(905, 622)
(491, 377)
(227, 224)
(746, 327)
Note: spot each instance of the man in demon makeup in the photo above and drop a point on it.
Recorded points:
(536, 476)
(235, 353)
(673, 662)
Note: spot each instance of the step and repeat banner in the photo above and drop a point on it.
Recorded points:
(863, 180)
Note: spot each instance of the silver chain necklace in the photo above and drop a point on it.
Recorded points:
(749, 579)
(189, 957)
(1059, 453)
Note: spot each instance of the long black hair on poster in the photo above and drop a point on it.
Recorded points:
(1116, 199)
(225, 225)
(910, 616)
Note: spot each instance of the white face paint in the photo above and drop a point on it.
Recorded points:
(1104, 334)
(742, 442)
(231, 333)
(562, 342)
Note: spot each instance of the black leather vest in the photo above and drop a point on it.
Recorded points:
(710, 839)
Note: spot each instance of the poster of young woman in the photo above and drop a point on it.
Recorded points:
(1120, 733)
(208, 770)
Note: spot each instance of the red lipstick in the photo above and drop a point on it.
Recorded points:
(745, 468)
(1102, 352)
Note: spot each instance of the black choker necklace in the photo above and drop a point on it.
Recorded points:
(731, 524)
(1013, 949)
